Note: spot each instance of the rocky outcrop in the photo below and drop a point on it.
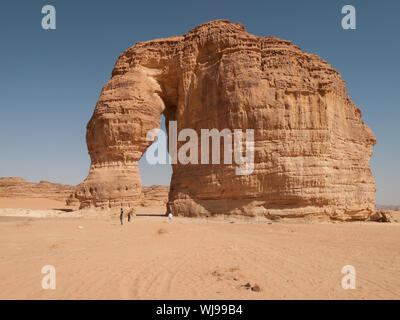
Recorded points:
(381, 216)
(311, 147)
(154, 196)
(20, 188)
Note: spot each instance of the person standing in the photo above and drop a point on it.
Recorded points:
(121, 216)
(131, 214)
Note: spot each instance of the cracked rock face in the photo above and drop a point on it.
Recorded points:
(312, 149)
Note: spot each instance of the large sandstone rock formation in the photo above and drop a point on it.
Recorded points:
(312, 149)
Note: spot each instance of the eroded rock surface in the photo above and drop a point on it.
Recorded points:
(19, 188)
(312, 149)
(15, 187)
(155, 196)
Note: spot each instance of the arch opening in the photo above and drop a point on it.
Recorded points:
(156, 179)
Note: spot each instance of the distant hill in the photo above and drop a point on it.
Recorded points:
(15, 187)
(387, 207)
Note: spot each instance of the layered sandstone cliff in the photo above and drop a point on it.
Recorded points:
(19, 188)
(154, 196)
(312, 149)
(15, 187)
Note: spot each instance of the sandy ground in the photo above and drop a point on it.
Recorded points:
(151, 258)
(31, 203)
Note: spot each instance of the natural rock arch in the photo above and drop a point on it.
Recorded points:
(312, 149)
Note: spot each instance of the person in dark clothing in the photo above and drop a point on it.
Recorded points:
(121, 216)
(131, 214)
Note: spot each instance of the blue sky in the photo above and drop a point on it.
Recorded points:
(50, 80)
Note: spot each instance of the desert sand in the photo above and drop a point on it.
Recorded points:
(152, 258)
(32, 203)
